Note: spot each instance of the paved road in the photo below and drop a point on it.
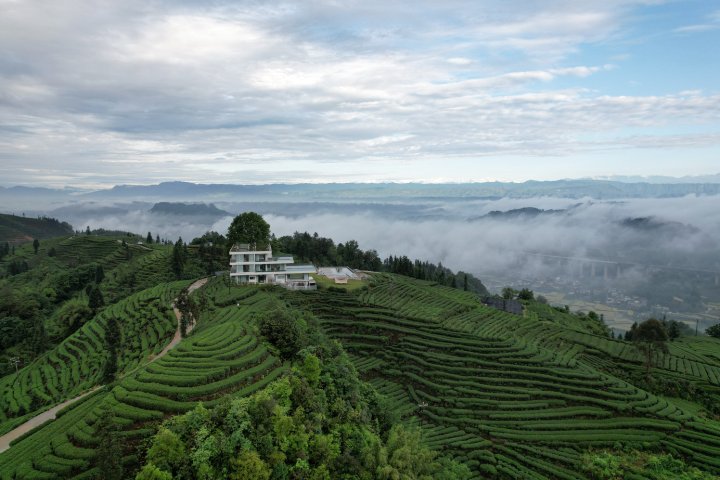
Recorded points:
(52, 413)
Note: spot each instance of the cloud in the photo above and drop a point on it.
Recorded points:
(711, 22)
(201, 91)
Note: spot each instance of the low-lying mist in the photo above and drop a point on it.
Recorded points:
(665, 252)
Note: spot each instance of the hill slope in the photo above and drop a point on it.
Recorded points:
(511, 396)
(14, 229)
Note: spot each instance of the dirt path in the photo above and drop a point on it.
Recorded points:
(51, 414)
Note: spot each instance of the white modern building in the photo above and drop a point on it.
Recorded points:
(255, 264)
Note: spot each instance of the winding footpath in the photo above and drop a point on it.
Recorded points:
(51, 414)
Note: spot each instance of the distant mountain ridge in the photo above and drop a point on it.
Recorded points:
(525, 212)
(171, 208)
(600, 189)
(194, 192)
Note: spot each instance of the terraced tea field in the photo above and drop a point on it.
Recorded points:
(509, 395)
(222, 356)
(146, 324)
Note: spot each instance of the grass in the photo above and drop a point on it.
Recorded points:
(325, 282)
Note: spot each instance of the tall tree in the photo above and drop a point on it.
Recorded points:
(112, 342)
(178, 258)
(95, 299)
(109, 452)
(149, 239)
(36, 245)
(99, 274)
(249, 227)
(650, 338)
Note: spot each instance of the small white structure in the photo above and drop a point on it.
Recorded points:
(254, 264)
(340, 275)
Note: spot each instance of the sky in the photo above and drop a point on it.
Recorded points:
(97, 93)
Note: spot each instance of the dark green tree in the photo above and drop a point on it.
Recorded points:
(73, 315)
(178, 258)
(629, 334)
(157, 239)
(87, 230)
(109, 451)
(673, 330)
(281, 328)
(508, 293)
(36, 245)
(526, 294)
(465, 282)
(249, 227)
(95, 299)
(650, 338)
(714, 331)
(112, 343)
(189, 311)
(99, 274)
(149, 238)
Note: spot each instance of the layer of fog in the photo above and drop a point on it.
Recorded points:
(682, 233)
(667, 247)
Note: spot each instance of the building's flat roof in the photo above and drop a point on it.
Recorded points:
(246, 247)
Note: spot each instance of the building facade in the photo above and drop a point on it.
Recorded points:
(255, 264)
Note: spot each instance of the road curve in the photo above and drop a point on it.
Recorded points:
(51, 414)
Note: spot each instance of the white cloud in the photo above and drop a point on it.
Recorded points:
(197, 90)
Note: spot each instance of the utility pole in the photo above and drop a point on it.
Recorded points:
(15, 361)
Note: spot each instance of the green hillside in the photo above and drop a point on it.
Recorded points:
(516, 396)
(542, 395)
(15, 230)
(223, 357)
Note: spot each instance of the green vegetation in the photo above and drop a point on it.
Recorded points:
(138, 327)
(318, 422)
(43, 296)
(714, 331)
(510, 396)
(19, 229)
(325, 282)
(248, 227)
(608, 465)
(323, 251)
(398, 378)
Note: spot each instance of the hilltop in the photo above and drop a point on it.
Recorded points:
(170, 208)
(15, 229)
(541, 395)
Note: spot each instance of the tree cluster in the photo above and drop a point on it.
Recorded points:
(212, 251)
(318, 423)
(714, 331)
(323, 251)
(672, 329)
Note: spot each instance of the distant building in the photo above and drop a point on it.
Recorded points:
(251, 264)
(510, 306)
